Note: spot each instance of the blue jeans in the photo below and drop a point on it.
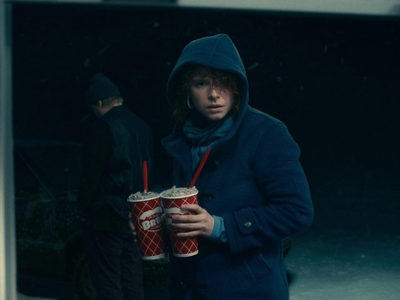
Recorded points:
(114, 264)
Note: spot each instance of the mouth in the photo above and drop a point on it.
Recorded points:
(216, 106)
(214, 109)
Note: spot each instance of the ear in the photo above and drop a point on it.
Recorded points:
(190, 105)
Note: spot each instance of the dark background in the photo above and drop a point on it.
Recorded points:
(333, 79)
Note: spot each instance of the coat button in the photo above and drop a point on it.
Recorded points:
(247, 224)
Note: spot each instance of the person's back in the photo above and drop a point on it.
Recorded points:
(132, 144)
(115, 148)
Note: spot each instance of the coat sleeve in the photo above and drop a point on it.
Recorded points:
(280, 177)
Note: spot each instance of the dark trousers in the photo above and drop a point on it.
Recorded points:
(114, 264)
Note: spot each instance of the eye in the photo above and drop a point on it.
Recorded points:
(198, 83)
(201, 82)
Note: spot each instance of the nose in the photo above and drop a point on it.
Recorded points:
(214, 93)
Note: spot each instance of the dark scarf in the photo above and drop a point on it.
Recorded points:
(204, 133)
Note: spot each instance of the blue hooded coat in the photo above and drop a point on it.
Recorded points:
(253, 180)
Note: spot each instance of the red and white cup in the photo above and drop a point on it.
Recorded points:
(172, 200)
(146, 212)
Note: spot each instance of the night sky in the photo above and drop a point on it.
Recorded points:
(334, 80)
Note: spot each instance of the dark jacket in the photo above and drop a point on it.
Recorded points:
(115, 149)
(253, 179)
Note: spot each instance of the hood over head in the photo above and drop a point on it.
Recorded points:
(217, 52)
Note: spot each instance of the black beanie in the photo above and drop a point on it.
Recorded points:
(100, 88)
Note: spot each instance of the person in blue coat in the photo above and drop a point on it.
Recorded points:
(253, 192)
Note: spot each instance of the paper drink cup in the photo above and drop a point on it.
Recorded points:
(172, 200)
(146, 212)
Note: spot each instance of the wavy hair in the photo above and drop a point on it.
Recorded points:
(223, 79)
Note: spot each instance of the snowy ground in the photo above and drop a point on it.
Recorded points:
(331, 266)
(352, 251)
(344, 266)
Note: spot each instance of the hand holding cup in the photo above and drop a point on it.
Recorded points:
(183, 244)
(198, 223)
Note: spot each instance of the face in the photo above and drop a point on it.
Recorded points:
(210, 100)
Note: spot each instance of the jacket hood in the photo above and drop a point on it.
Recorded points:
(216, 52)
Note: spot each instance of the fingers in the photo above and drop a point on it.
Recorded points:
(177, 218)
(132, 226)
(187, 221)
(200, 223)
(193, 208)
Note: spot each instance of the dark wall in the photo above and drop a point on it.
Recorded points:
(334, 80)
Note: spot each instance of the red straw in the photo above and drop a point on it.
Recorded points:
(145, 177)
(203, 161)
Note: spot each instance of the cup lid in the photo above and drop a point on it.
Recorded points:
(178, 192)
(139, 196)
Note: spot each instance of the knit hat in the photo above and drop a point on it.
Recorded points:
(100, 88)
